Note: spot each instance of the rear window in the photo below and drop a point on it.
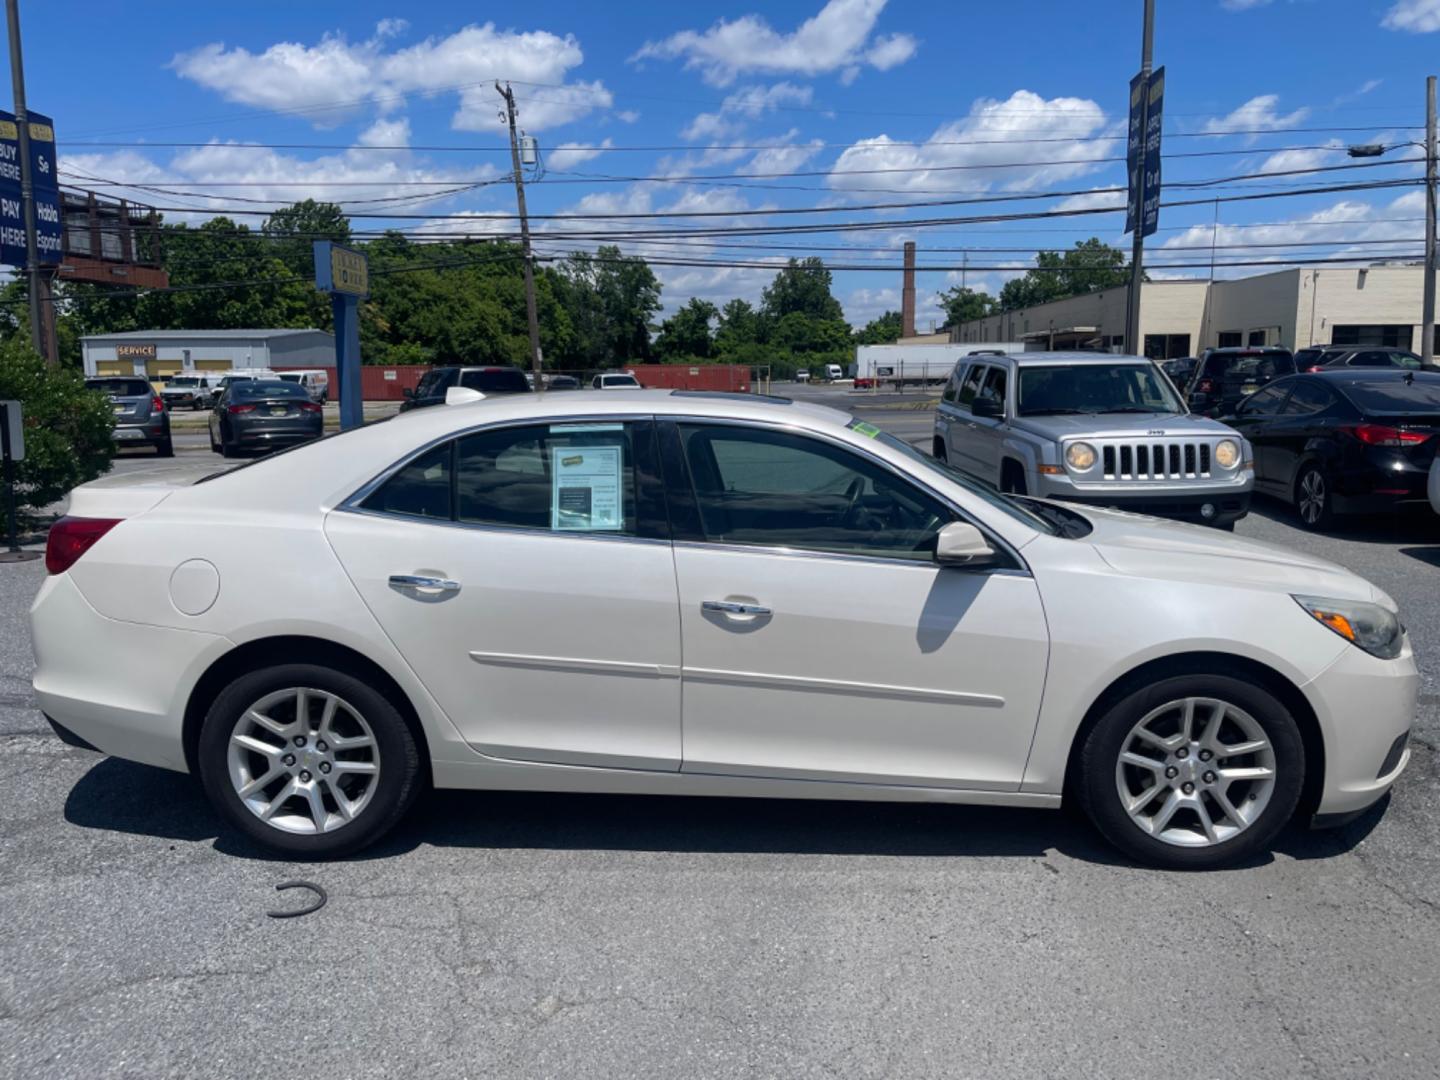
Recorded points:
(120, 387)
(243, 390)
(183, 380)
(1417, 395)
(495, 381)
(290, 378)
(1242, 365)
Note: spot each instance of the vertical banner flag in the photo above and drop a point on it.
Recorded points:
(1150, 204)
(1134, 153)
(46, 184)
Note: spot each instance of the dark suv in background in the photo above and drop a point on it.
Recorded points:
(140, 416)
(493, 379)
(1225, 376)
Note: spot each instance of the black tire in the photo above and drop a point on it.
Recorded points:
(214, 446)
(228, 451)
(1012, 478)
(165, 447)
(1310, 482)
(397, 783)
(1099, 757)
(937, 449)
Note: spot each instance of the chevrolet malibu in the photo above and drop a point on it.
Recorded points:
(705, 594)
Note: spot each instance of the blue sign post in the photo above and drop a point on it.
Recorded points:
(345, 274)
(46, 186)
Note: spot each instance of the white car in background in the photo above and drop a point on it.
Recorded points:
(615, 380)
(706, 594)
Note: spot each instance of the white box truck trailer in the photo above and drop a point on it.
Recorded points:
(898, 366)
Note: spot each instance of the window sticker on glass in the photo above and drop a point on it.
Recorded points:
(860, 427)
(585, 496)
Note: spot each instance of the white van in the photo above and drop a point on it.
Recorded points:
(316, 382)
(834, 372)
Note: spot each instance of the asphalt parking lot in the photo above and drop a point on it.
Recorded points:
(540, 935)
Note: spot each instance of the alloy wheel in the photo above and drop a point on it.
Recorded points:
(303, 760)
(1195, 772)
(1312, 496)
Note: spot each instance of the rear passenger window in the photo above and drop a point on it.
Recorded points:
(1308, 397)
(421, 488)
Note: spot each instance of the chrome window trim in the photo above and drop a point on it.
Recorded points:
(797, 429)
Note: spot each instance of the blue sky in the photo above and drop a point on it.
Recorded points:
(889, 103)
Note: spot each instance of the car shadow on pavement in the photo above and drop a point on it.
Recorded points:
(1420, 525)
(120, 796)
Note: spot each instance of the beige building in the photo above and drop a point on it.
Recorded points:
(1374, 305)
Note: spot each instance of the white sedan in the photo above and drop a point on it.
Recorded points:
(707, 594)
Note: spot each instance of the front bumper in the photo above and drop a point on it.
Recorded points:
(1365, 707)
(1228, 501)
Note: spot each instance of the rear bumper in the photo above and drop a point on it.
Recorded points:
(274, 437)
(151, 432)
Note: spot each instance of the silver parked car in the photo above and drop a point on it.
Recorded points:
(1092, 428)
(140, 416)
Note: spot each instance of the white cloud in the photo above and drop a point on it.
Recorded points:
(1093, 200)
(1242, 5)
(570, 154)
(751, 102)
(837, 38)
(1257, 114)
(627, 116)
(335, 78)
(388, 28)
(995, 133)
(1288, 160)
(784, 155)
(1413, 16)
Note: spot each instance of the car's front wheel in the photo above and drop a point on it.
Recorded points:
(1192, 772)
(308, 760)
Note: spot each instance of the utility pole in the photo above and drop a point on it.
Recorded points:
(529, 261)
(27, 182)
(1427, 339)
(1133, 344)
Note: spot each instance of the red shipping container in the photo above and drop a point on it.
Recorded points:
(733, 377)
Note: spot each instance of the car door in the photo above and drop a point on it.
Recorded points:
(946, 412)
(964, 436)
(1306, 415)
(821, 640)
(989, 431)
(525, 574)
(1254, 418)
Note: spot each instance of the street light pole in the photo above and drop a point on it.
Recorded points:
(1427, 333)
(1137, 252)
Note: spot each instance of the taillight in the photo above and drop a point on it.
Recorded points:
(156, 404)
(310, 406)
(1205, 386)
(71, 537)
(1381, 435)
(233, 409)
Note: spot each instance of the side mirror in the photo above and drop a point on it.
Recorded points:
(962, 544)
(409, 393)
(988, 408)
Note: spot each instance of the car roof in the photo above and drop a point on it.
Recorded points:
(1374, 374)
(1042, 359)
(1248, 350)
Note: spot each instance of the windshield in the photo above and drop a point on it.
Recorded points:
(1003, 503)
(242, 390)
(621, 380)
(290, 378)
(1095, 388)
(120, 387)
(183, 380)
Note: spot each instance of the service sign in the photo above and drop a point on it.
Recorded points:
(134, 352)
(48, 227)
(341, 270)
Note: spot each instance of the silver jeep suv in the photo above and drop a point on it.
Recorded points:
(1092, 428)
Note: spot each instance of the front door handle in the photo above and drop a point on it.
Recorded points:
(729, 607)
(420, 581)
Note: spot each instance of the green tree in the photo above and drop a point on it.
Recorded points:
(1089, 266)
(802, 287)
(67, 428)
(885, 330)
(687, 332)
(739, 327)
(798, 332)
(610, 299)
(290, 234)
(964, 304)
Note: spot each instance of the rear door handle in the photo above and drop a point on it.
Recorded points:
(729, 607)
(420, 581)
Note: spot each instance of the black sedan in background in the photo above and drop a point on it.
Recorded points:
(263, 414)
(140, 415)
(1344, 440)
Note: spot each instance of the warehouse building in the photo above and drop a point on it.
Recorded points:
(1371, 305)
(158, 354)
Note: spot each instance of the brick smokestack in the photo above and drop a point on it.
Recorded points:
(907, 295)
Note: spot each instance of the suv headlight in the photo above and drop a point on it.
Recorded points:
(1373, 628)
(1080, 456)
(1227, 453)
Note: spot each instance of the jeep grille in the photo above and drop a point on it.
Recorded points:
(1151, 460)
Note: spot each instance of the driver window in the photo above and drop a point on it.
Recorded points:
(768, 488)
(994, 386)
(970, 385)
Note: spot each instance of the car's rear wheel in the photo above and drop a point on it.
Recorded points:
(1314, 501)
(1192, 772)
(165, 447)
(308, 760)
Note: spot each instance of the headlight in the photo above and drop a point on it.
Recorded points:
(1227, 454)
(1375, 629)
(1080, 456)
